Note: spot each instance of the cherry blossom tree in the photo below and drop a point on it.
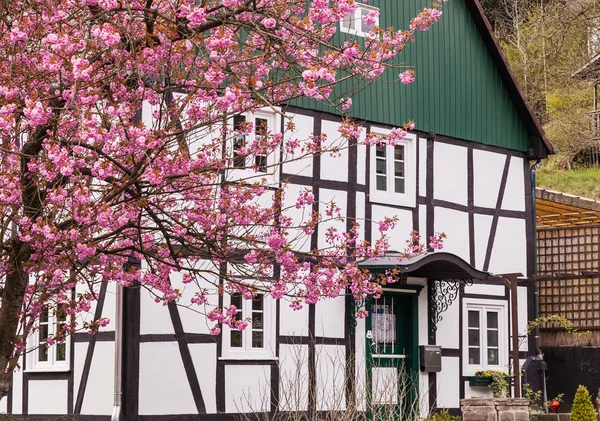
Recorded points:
(119, 144)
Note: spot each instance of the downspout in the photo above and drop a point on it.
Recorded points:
(116, 413)
(536, 313)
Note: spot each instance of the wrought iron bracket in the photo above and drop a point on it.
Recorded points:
(442, 293)
(354, 307)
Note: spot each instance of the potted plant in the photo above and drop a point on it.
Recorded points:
(497, 380)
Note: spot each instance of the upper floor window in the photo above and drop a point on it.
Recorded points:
(393, 171)
(43, 357)
(361, 21)
(257, 341)
(485, 335)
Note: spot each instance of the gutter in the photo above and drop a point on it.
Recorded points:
(116, 413)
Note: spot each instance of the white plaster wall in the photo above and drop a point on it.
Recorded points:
(477, 391)
(4, 405)
(293, 377)
(292, 322)
(509, 254)
(447, 334)
(330, 370)
(422, 166)
(99, 391)
(297, 163)
(340, 198)
(47, 397)
(192, 315)
(487, 176)
(361, 364)
(334, 167)
(522, 317)
(17, 387)
(397, 237)
(78, 363)
(108, 309)
(361, 164)
(423, 223)
(448, 393)
(360, 214)
(455, 224)
(247, 388)
(497, 290)
(163, 384)
(300, 241)
(154, 317)
(450, 173)
(329, 317)
(514, 195)
(204, 357)
(481, 230)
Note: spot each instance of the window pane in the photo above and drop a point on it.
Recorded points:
(42, 353)
(348, 21)
(474, 356)
(399, 185)
(239, 161)
(236, 300)
(492, 319)
(44, 316)
(399, 169)
(473, 337)
(61, 352)
(236, 339)
(257, 339)
(257, 302)
(260, 126)
(492, 338)
(380, 166)
(399, 153)
(492, 356)
(473, 318)
(380, 151)
(381, 183)
(261, 162)
(365, 27)
(237, 121)
(257, 321)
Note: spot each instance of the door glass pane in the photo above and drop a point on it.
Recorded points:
(473, 318)
(474, 356)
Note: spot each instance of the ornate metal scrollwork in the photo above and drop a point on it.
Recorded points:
(442, 293)
(356, 305)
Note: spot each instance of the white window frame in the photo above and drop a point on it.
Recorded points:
(357, 20)
(483, 306)
(248, 173)
(390, 197)
(33, 346)
(246, 351)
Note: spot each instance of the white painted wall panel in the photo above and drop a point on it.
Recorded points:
(47, 397)
(447, 334)
(423, 322)
(292, 322)
(497, 290)
(455, 224)
(477, 391)
(522, 312)
(247, 388)
(361, 364)
(450, 173)
(17, 387)
(108, 309)
(330, 316)
(422, 228)
(340, 198)
(163, 384)
(78, 363)
(154, 317)
(334, 167)
(487, 176)
(99, 391)
(360, 214)
(481, 229)
(422, 166)
(448, 393)
(330, 367)
(397, 236)
(204, 357)
(509, 254)
(4, 405)
(293, 377)
(361, 165)
(300, 241)
(514, 195)
(297, 163)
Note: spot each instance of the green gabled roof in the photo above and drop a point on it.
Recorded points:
(463, 88)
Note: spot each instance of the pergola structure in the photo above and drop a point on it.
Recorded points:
(554, 209)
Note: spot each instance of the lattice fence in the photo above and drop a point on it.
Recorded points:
(570, 251)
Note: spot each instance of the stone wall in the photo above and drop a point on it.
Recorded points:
(495, 409)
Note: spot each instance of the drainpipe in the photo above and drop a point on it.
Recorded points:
(116, 413)
(536, 310)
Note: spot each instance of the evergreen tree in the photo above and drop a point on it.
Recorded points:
(583, 409)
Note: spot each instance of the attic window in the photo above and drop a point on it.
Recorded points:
(358, 23)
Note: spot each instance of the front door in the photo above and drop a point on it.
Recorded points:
(392, 376)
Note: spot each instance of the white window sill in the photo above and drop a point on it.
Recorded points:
(47, 370)
(393, 199)
(248, 356)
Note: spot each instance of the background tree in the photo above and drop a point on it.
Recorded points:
(117, 145)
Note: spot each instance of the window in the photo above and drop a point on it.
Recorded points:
(263, 125)
(257, 341)
(354, 23)
(393, 172)
(486, 343)
(44, 358)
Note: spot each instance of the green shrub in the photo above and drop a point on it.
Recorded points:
(583, 408)
(442, 415)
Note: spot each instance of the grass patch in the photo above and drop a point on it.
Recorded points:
(584, 182)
